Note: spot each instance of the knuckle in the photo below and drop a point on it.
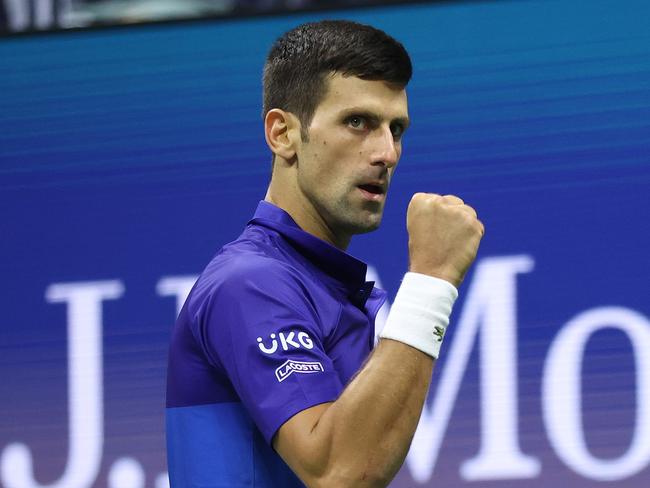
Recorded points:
(468, 218)
(419, 197)
(453, 199)
(426, 200)
(434, 199)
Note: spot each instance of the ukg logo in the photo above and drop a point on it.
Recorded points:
(290, 340)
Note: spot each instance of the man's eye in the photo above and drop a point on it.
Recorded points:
(357, 122)
(397, 130)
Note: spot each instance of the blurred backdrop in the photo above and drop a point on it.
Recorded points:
(29, 15)
(129, 155)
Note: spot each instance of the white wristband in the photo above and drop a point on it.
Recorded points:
(420, 314)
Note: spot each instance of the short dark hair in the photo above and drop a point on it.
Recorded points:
(300, 60)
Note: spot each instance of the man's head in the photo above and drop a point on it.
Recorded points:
(300, 61)
(335, 110)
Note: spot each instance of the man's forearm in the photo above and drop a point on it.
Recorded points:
(362, 438)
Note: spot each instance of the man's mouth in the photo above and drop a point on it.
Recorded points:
(375, 189)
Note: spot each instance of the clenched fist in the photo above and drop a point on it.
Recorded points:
(444, 235)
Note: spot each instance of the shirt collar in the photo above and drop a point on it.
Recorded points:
(347, 270)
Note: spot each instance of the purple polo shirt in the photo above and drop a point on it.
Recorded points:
(279, 321)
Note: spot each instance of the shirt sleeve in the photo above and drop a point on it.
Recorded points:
(262, 327)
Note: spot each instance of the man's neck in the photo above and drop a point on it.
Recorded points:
(308, 219)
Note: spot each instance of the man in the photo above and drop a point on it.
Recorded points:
(272, 377)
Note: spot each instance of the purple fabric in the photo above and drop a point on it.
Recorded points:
(279, 321)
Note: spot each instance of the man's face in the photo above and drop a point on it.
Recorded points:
(355, 142)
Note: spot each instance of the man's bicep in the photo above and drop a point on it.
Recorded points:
(300, 447)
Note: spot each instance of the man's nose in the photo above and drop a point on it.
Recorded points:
(386, 146)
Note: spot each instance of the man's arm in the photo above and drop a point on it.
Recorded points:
(362, 438)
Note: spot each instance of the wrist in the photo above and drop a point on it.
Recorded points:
(420, 314)
(451, 276)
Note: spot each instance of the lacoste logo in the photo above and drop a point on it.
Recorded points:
(289, 366)
(287, 340)
(439, 332)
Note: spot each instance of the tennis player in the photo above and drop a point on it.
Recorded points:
(273, 380)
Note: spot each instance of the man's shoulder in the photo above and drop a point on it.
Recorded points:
(248, 265)
(245, 258)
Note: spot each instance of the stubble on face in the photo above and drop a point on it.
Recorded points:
(345, 167)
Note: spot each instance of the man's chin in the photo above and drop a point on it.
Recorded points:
(366, 230)
(367, 225)
(360, 220)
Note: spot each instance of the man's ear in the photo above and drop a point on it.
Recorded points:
(282, 132)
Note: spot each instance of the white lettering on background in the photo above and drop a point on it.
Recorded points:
(126, 473)
(176, 286)
(490, 306)
(562, 399)
(382, 314)
(85, 390)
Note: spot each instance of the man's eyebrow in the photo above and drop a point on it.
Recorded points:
(405, 121)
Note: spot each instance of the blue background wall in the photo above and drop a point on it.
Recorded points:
(132, 154)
